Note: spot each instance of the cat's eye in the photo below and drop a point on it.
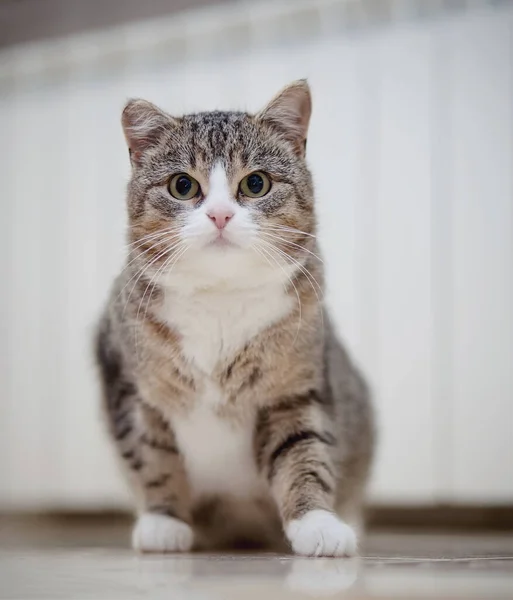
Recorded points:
(255, 185)
(183, 186)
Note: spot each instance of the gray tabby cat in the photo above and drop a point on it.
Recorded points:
(239, 418)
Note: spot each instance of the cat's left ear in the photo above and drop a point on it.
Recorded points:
(289, 112)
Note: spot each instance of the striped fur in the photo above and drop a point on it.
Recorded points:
(238, 416)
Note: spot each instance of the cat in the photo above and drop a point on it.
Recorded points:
(238, 416)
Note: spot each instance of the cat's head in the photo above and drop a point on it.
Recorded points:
(221, 195)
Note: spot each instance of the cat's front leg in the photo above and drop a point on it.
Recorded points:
(160, 484)
(148, 450)
(294, 449)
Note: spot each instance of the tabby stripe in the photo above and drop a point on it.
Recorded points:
(303, 504)
(122, 416)
(296, 438)
(159, 445)
(256, 375)
(136, 465)
(158, 482)
(288, 404)
(319, 464)
(126, 388)
(134, 462)
(161, 330)
(237, 359)
(120, 434)
(313, 475)
(294, 402)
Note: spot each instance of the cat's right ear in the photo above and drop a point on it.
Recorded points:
(142, 124)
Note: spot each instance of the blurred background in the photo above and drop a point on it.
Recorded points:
(411, 148)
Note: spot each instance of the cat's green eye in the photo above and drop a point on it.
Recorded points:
(255, 185)
(183, 186)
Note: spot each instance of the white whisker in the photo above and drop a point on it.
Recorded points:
(288, 229)
(151, 236)
(175, 255)
(260, 249)
(158, 243)
(135, 258)
(170, 261)
(300, 266)
(310, 278)
(277, 237)
(144, 269)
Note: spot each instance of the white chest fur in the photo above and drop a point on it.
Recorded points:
(218, 453)
(214, 325)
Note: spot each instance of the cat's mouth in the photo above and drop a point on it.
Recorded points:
(221, 242)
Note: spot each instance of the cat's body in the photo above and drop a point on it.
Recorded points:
(238, 416)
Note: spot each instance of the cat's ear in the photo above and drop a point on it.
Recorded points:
(289, 112)
(142, 124)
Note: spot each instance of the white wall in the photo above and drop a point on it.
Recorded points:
(412, 151)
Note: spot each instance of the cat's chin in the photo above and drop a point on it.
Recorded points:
(222, 243)
(229, 266)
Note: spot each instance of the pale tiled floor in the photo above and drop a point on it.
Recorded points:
(70, 559)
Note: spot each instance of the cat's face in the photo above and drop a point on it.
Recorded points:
(221, 194)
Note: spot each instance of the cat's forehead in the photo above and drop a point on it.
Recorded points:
(216, 126)
(217, 136)
(237, 140)
(215, 120)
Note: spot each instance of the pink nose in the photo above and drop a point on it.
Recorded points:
(220, 217)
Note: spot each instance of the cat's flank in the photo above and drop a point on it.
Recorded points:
(235, 411)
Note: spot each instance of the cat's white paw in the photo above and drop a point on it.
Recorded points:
(158, 533)
(321, 533)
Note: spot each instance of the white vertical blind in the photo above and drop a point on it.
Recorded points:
(411, 148)
(482, 226)
(404, 311)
